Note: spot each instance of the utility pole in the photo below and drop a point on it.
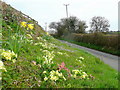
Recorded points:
(66, 5)
(45, 26)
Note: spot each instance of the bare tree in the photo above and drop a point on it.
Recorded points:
(99, 24)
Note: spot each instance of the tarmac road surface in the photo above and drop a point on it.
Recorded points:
(109, 59)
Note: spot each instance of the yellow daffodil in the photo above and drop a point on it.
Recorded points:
(30, 26)
(23, 24)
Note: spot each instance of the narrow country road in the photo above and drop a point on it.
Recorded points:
(109, 59)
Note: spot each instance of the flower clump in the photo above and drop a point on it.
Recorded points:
(79, 74)
(48, 57)
(54, 76)
(26, 25)
(8, 55)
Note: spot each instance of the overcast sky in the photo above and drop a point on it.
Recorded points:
(46, 11)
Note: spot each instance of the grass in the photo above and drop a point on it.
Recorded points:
(92, 46)
(105, 76)
(33, 57)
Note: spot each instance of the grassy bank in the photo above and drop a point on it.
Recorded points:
(31, 58)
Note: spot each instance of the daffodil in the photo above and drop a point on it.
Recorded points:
(23, 24)
(30, 26)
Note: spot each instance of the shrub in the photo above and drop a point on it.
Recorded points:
(106, 41)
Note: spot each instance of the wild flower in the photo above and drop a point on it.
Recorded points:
(23, 24)
(45, 79)
(53, 75)
(2, 66)
(79, 74)
(39, 38)
(56, 75)
(44, 72)
(8, 55)
(54, 78)
(62, 66)
(81, 58)
(48, 56)
(30, 26)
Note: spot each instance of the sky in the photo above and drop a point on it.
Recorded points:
(47, 11)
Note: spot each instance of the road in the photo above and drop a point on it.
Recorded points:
(109, 59)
